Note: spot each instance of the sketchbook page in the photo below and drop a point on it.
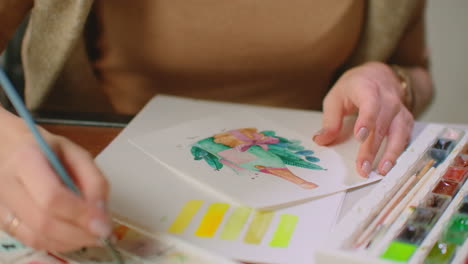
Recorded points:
(152, 196)
(288, 235)
(136, 181)
(250, 160)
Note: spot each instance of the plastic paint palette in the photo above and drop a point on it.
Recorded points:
(431, 219)
(428, 213)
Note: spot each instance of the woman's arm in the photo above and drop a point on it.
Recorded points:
(413, 56)
(35, 207)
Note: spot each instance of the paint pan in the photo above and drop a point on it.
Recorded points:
(399, 251)
(424, 216)
(446, 187)
(436, 201)
(452, 134)
(456, 174)
(441, 149)
(461, 161)
(457, 230)
(441, 253)
(413, 234)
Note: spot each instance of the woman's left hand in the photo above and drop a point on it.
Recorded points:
(374, 92)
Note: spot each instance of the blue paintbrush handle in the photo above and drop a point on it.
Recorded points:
(24, 113)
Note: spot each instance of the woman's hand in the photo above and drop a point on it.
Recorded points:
(374, 92)
(38, 209)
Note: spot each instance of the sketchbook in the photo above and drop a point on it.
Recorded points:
(154, 196)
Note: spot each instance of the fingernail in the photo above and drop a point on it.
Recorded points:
(362, 134)
(366, 167)
(100, 228)
(102, 205)
(386, 167)
(318, 133)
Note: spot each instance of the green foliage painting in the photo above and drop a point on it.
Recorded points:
(266, 152)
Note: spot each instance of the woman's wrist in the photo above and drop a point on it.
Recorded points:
(406, 87)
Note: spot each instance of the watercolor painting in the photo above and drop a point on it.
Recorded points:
(264, 151)
(247, 160)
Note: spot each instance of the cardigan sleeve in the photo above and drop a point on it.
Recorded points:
(412, 48)
(12, 13)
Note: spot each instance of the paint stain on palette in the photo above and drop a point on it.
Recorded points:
(42, 258)
(139, 244)
(95, 255)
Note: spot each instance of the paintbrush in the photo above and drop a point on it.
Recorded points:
(45, 148)
(392, 208)
(415, 183)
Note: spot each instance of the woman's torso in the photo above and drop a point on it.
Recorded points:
(281, 53)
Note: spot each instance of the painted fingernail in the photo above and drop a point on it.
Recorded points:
(387, 166)
(366, 167)
(318, 133)
(362, 134)
(102, 205)
(100, 228)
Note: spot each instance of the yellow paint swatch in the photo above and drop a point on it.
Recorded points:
(185, 216)
(235, 223)
(212, 219)
(284, 231)
(258, 227)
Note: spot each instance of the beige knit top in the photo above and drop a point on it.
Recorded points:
(189, 45)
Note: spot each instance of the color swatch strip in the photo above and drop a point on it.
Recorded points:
(236, 222)
(258, 227)
(284, 231)
(212, 219)
(185, 216)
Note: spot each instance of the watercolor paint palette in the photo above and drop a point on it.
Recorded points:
(134, 245)
(417, 214)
